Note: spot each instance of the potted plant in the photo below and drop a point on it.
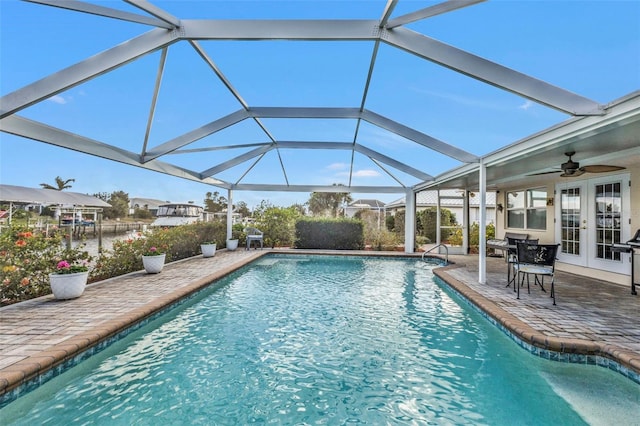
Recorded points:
(232, 244)
(69, 280)
(208, 249)
(153, 260)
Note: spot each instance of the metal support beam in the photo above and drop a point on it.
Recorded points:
(155, 11)
(418, 137)
(85, 70)
(427, 12)
(320, 188)
(36, 131)
(196, 134)
(491, 73)
(94, 9)
(281, 29)
(393, 163)
(236, 160)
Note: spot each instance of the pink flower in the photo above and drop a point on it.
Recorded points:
(63, 264)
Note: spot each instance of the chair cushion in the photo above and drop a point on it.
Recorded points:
(534, 269)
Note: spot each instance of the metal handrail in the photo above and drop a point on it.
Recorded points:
(446, 249)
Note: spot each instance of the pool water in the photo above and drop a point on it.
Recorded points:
(326, 340)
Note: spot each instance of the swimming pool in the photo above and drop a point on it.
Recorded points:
(329, 340)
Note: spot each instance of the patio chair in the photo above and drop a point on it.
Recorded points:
(512, 257)
(536, 259)
(254, 234)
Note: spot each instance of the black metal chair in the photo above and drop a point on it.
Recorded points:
(512, 258)
(536, 259)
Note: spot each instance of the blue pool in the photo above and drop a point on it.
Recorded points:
(325, 340)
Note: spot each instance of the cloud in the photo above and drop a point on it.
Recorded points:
(525, 106)
(58, 99)
(337, 166)
(361, 173)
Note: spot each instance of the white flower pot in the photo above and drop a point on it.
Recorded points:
(153, 264)
(208, 250)
(68, 286)
(232, 244)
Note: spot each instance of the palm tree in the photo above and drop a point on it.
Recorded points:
(60, 184)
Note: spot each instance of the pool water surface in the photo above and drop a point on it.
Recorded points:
(326, 340)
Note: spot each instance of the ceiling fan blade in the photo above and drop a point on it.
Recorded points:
(545, 173)
(599, 168)
(573, 174)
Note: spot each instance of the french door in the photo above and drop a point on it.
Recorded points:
(592, 215)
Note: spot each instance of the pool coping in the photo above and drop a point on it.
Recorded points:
(22, 376)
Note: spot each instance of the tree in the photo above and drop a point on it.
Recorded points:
(300, 208)
(214, 202)
(328, 203)
(60, 184)
(243, 209)
(119, 201)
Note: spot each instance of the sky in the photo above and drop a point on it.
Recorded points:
(591, 48)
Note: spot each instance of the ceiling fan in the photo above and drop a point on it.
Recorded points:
(572, 168)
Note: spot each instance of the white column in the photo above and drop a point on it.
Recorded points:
(465, 222)
(410, 221)
(482, 238)
(229, 213)
(438, 220)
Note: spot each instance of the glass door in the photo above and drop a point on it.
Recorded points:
(609, 206)
(592, 215)
(573, 224)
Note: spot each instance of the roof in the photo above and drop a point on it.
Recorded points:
(367, 204)
(24, 195)
(149, 202)
(449, 198)
(237, 127)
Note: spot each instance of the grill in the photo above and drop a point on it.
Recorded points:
(630, 247)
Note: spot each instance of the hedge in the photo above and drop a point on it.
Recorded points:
(331, 234)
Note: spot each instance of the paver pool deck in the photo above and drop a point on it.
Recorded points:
(591, 317)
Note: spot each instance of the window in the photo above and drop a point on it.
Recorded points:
(527, 209)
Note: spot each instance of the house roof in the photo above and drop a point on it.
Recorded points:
(362, 204)
(24, 195)
(449, 198)
(149, 202)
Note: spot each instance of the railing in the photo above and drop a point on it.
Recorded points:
(446, 249)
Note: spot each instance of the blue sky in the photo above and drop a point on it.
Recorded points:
(591, 48)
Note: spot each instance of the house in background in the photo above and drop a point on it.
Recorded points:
(145, 204)
(375, 206)
(452, 200)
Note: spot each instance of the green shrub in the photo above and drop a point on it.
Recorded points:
(474, 236)
(179, 242)
(333, 234)
(381, 239)
(278, 225)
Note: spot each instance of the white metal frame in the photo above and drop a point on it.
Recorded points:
(168, 30)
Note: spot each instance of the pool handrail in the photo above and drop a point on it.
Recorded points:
(446, 249)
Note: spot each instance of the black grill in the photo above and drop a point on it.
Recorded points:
(630, 247)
